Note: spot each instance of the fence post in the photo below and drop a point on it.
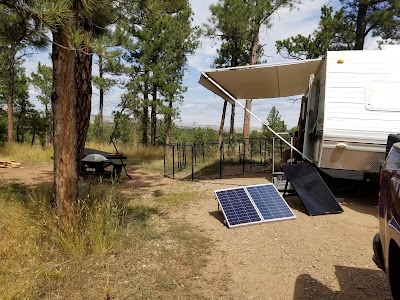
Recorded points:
(240, 154)
(165, 153)
(184, 156)
(265, 150)
(202, 147)
(273, 155)
(192, 162)
(178, 156)
(173, 161)
(291, 150)
(221, 157)
(194, 152)
(251, 153)
(244, 153)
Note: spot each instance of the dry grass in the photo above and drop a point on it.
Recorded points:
(26, 153)
(119, 250)
(37, 255)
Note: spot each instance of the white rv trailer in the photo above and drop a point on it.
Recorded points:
(351, 104)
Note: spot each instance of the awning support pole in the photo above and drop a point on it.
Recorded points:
(257, 118)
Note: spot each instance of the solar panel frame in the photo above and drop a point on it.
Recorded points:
(285, 212)
(231, 214)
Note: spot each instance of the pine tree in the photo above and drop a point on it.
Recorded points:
(228, 23)
(252, 16)
(161, 36)
(72, 24)
(15, 34)
(42, 81)
(346, 29)
(108, 63)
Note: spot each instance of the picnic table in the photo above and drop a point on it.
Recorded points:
(96, 165)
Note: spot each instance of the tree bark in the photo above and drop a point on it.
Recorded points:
(361, 26)
(10, 116)
(221, 127)
(101, 104)
(47, 130)
(231, 129)
(71, 104)
(153, 117)
(65, 134)
(168, 124)
(10, 94)
(145, 116)
(254, 59)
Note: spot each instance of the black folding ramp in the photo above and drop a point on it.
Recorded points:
(311, 189)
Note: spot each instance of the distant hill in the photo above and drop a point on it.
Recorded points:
(182, 125)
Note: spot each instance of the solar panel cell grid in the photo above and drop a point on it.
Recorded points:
(269, 202)
(253, 204)
(237, 207)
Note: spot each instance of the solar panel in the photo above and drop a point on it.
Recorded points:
(269, 202)
(253, 204)
(311, 189)
(237, 207)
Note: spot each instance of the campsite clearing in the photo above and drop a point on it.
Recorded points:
(321, 257)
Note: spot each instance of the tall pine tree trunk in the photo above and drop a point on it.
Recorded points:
(101, 104)
(47, 130)
(254, 59)
(361, 26)
(71, 104)
(153, 117)
(231, 129)
(145, 115)
(10, 93)
(221, 126)
(168, 123)
(134, 133)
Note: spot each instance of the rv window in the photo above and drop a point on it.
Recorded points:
(382, 95)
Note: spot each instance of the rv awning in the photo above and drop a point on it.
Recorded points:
(261, 81)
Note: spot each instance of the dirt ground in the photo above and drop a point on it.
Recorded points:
(320, 257)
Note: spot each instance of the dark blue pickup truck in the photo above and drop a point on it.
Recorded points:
(386, 242)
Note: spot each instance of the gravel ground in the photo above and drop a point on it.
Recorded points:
(320, 257)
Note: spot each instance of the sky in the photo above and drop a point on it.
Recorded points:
(202, 107)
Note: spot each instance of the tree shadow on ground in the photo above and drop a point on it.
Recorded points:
(354, 283)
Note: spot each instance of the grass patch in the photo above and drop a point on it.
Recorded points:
(116, 251)
(26, 153)
(173, 198)
(37, 255)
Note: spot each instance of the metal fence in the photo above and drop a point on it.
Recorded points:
(211, 160)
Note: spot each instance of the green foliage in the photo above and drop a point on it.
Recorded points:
(156, 41)
(229, 23)
(345, 29)
(275, 122)
(93, 132)
(42, 81)
(194, 135)
(330, 35)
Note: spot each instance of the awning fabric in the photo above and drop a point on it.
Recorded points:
(261, 81)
